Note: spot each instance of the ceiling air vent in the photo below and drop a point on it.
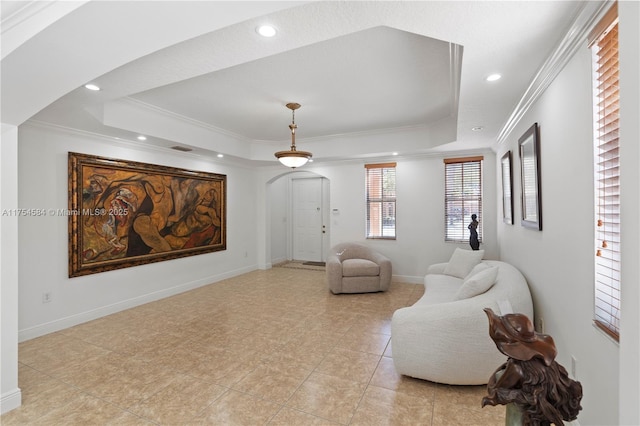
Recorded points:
(181, 148)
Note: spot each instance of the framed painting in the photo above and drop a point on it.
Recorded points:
(124, 213)
(507, 184)
(531, 197)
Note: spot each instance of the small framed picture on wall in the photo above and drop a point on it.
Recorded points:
(507, 185)
(531, 196)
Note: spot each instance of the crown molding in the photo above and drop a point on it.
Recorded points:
(178, 117)
(139, 146)
(193, 122)
(125, 143)
(564, 51)
(21, 12)
(22, 20)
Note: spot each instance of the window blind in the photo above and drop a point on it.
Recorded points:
(604, 49)
(381, 200)
(463, 197)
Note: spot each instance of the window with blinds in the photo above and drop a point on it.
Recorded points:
(604, 46)
(462, 197)
(381, 200)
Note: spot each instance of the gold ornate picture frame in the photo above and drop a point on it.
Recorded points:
(124, 213)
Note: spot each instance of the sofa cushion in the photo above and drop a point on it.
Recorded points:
(439, 288)
(462, 262)
(478, 268)
(477, 283)
(360, 268)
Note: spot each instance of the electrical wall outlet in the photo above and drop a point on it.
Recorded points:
(46, 297)
(573, 366)
(540, 325)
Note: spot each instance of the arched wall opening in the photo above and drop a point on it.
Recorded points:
(283, 239)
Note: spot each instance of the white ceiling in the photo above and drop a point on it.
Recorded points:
(357, 82)
(406, 76)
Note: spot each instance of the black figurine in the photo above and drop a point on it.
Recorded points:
(473, 228)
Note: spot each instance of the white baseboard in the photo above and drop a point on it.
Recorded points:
(277, 261)
(10, 400)
(70, 321)
(407, 279)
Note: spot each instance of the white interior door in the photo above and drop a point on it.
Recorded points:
(307, 219)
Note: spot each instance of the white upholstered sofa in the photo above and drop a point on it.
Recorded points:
(356, 268)
(444, 336)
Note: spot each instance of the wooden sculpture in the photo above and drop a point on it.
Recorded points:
(531, 379)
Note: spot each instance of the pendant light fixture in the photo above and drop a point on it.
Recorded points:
(293, 158)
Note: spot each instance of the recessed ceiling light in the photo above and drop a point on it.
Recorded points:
(477, 128)
(142, 138)
(494, 77)
(266, 30)
(394, 153)
(220, 155)
(91, 87)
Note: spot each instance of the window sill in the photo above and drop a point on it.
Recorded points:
(606, 332)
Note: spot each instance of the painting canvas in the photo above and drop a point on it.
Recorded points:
(530, 178)
(124, 213)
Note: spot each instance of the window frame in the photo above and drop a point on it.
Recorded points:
(451, 166)
(603, 43)
(376, 202)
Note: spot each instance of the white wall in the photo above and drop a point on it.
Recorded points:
(43, 252)
(420, 212)
(280, 220)
(558, 261)
(629, 36)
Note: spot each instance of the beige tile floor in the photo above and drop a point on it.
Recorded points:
(268, 347)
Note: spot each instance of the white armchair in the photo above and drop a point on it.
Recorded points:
(355, 268)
